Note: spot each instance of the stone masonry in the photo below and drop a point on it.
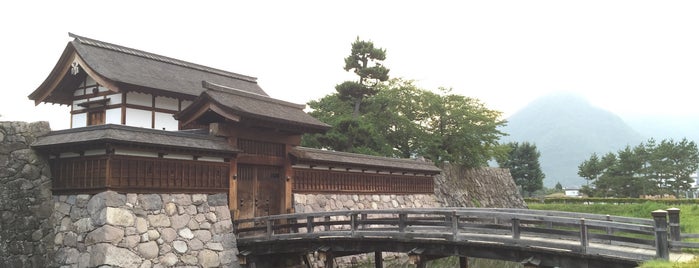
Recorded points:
(143, 230)
(25, 197)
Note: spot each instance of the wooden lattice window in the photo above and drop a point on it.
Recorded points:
(261, 148)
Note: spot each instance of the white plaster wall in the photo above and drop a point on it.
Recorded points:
(113, 116)
(139, 99)
(165, 121)
(79, 92)
(135, 153)
(79, 120)
(166, 103)
(114, 98)
(138, 118)
(211, 159)
(178, 156)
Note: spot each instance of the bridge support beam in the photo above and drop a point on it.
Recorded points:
(378, 259)
(463, 262)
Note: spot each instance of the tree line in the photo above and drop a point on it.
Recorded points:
(650, 168)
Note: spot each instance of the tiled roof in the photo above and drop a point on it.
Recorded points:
(140, 68)
(120, 134)
(305, 154)
(260, 107)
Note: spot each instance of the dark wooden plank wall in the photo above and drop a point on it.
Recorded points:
(139, 174)
(328, 181)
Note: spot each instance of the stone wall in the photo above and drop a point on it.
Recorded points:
(143, 230)
(25, 197)
(306, 203)
(483, 187)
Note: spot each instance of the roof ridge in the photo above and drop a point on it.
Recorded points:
(161, 58)
(230, 90)
(412, 160)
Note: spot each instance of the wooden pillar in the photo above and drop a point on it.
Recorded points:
(378, 259)
(463, 262)
(233, 188)
(288, 205)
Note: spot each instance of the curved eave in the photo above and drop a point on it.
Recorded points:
(60, 70)
(205, 103)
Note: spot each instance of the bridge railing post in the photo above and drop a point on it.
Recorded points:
(584, 242)
(402, 217)
(673, 215)
(454, 226)
(268, 223)
(661, 243)
(515, 228)
(327, 224)
(353, 223)
(309, 224)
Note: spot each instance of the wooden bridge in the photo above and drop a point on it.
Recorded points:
(533, 237)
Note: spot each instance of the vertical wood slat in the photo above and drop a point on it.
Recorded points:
(308, 180)
(92, 172)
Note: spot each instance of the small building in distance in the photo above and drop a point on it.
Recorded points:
(572, 192)
(146, 123)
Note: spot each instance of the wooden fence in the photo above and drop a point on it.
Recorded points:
(326, 181)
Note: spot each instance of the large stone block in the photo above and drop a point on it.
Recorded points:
(148, 250)
(179, 221)
(105, 199)
(107, 254)
(115, 216)
(208, 258)
(105, 234)
(150, 202)
(159, 220)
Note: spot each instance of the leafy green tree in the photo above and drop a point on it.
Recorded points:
(590, 169)
(365, 61)
(403, 120)
(523, 162)
(673, 163)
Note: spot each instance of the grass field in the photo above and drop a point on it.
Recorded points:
(689, 220)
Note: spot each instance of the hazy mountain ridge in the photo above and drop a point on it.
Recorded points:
(567, 129)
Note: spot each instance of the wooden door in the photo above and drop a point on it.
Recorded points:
(259, 191)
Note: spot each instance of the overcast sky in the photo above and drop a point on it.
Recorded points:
(629, 57)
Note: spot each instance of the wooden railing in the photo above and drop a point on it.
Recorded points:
(559, 231)
(326, 181)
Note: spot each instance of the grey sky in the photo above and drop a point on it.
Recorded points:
(630, 57)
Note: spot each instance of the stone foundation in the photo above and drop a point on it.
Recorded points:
(143, 230)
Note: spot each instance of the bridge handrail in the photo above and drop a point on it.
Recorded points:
(453, 224)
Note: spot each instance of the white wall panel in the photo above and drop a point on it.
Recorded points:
(114, 98)
(211, 159)
(139, 99)
(178, 156)
(135, 153)
(89, 81)
(113, 116)
(138, 118)
(79, 120)
(166, 103)
(165, 121)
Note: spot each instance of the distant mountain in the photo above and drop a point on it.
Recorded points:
(567, 129)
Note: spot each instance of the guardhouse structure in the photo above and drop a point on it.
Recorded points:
(145, 123)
